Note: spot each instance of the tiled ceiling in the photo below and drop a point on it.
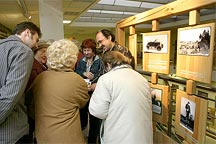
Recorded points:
(85, 15)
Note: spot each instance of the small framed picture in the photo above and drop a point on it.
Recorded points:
(156, 95)
(191, 117)
(155, 42)
(187, 114)
(159, 95)
(195, 41)
(156, 52)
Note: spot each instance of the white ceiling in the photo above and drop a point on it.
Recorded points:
(87, 16)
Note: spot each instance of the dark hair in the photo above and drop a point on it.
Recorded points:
(26, 25)
(89, 43)
(107, 33)
(114, 58)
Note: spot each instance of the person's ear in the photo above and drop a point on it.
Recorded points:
(110, 37)
(109, 66)
(27, 32)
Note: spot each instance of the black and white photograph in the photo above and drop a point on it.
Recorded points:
(187, 115)
(155, 43)
(195, 41)
(156, 100)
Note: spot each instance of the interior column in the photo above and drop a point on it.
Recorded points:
(51, 19)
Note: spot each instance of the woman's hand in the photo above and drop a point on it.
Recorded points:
(89, 75)
(92, 87)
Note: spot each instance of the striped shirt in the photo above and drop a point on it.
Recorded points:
(16, 60)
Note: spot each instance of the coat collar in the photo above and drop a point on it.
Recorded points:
(121, 67)
(94, 59)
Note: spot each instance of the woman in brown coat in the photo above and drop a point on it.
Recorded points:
(59, 93)
(39, 65)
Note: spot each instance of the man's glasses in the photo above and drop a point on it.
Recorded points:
(100, 41)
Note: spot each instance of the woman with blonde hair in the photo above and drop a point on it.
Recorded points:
(59, 93)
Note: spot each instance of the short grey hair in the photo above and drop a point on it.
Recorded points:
(62, 55)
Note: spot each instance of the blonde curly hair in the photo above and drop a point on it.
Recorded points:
(62, 55)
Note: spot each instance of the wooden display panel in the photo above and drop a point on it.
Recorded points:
(156, 52)
(190, 125)
(214, 60)
(133, 47)
(195, 52)
(159, 95)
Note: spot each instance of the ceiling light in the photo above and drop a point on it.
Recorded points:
(130, 13)
(85, 17)
(66, 21)
(150, 5)
(120, 3)
(130, 3)
(108, 2)
(112, 12)
(127, 3)
(95, 18)
(100, 18)
(94, 11)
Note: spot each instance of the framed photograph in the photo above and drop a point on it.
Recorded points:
(156, 52)
(195, 41)
(191, 117)
(155, 43)
(187, 114)
(195, 47)
(159, 95)
(156, 95)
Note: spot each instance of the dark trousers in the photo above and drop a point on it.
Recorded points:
(84, 117)
(94, 124)
(24, 140)
(94, 129)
